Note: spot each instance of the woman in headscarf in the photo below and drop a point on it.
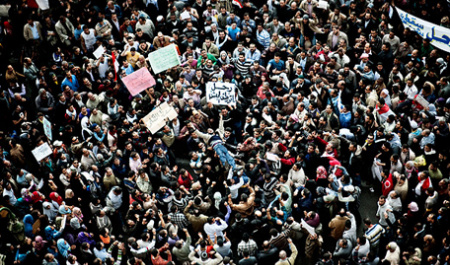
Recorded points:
(26, 195)
(75, 224)
(411, 173)
(85, 131)
(40, 243)
(223, 58)
(85, 237)
(63, 248)
(28, 222)
(55, 197)
(51, 233)
(78, 214)
(321, 176)
(64, 209)
(50, 210)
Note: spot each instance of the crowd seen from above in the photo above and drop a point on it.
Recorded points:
(336, 102)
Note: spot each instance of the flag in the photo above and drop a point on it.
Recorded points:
(384, 112)
(238, 3)
(116, 65)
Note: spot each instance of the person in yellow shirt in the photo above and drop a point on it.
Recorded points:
(132, 56)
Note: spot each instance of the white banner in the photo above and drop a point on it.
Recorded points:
(156, 119)
(41, 152)
(438, 36)
(221, 93)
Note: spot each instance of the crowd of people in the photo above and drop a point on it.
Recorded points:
(335, 102)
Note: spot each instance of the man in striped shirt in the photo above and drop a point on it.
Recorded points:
(242, 65)
(373, 234)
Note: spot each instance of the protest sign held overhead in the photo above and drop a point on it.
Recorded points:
(139, 81)
(221, 93)
(41, 152)
(48, 129)
(164, 58)
(156, 119)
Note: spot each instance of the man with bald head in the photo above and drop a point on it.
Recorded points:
(268, 254)
(284, 260)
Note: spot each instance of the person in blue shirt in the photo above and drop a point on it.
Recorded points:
(70, 81)
(253, 53)
(263, 36)
(234, 32)
(247, 21)
(127, 68)
(233, 18)
(277, 70)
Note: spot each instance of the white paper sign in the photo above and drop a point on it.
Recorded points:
(41, 152)
(156, 119)
(48, 129)
(43, 4)
(185, 15)
(271, 157)
(99, 51)
(323, 5)
(221, 93)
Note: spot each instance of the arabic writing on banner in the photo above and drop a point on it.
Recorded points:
(438, 36)
(221, 93)
(156, 119)
(138, 81)
(164, 58)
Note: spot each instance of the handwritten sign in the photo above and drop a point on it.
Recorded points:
(156, 119)
(138, 81)
(48, 129)
(164, 58)
(41, 152)
(439, 36)
(221, 93)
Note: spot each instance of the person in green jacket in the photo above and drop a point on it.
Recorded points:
(204, 56)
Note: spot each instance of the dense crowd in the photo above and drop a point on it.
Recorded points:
(335, 102)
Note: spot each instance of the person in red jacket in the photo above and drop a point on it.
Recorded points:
(185, 179)
(156, 255)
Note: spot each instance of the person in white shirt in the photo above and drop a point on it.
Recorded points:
(410, 89)
(231, 183)
(215, 227)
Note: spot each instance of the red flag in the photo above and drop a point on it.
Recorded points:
(115, 65)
